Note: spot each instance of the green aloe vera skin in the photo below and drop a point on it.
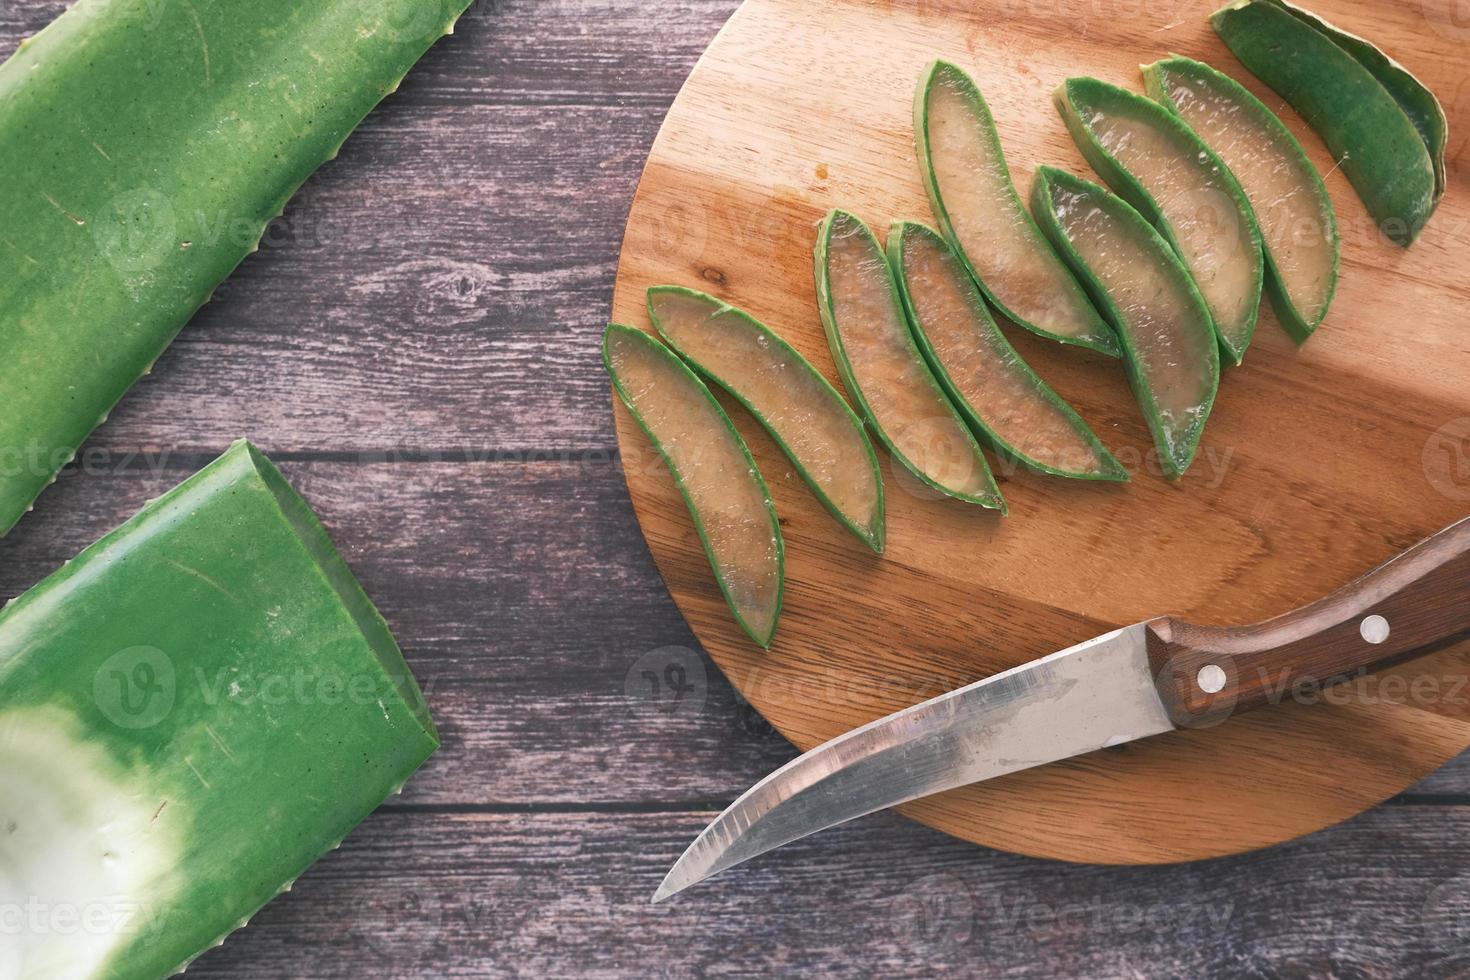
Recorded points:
(1161, 167)
(1298, 227)
(1412, 95)
(145, 145)
(192, 712)
(1005, 402)
(1134, 276)
(884, 370)
(804, 414)
(1384, 126)
(713, 471)
(977, 207)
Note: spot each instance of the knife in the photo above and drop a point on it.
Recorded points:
(1153, 677)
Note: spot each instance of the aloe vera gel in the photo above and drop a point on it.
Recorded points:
(192, 712)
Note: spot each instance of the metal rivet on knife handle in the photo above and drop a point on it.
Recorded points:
(1134, 683)
(1342, 636)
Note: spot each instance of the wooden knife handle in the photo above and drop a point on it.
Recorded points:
(1413, 605)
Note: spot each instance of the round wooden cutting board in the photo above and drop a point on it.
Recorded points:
(1317, 464)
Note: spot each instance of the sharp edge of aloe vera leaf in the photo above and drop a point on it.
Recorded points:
(1122, 181)
(182, 578)
(1382, 151)
(1101, 339)
(143, 286)
(683, 371)
(871, 536)
(1112, 471)
(1296, 326)
(1175, 466)
(996, 501)
(1420, 104)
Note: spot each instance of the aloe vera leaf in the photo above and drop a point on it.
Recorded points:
(1386, 128)
(145, 145)
(804, 414)
(1413, 96)
(192, 712)
(1005, 402)
(1138, 282)
(713, 470)
(979, 211)
(1298, 227)
(880, 362)
(1157, 164)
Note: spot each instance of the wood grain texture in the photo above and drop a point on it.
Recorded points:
(1317, 464)
(522, 596)
(559, 894)
(1417, 600)
(468, 469)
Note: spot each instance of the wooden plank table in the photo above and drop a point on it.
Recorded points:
(416, 344)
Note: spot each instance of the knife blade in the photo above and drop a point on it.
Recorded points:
(1136, 682)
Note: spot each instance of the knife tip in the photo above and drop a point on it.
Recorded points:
(666, 890)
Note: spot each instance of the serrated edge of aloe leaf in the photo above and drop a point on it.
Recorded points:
(704, 541)
(995, 501)
(1121, 180)
(873, 537)
(1113, 471)
(1102, 340)
(1046, 217)
(1403, 85)
(1290, 318)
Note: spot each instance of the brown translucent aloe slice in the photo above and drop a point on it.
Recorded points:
(1004, 401)
(1158, 164)
(1298, 227)
(884, 370)
(1169, 348)
(713, 470)
(976, 206)
(804, 414)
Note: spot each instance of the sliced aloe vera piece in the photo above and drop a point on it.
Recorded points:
(1388, 130)
(804, 414)
(995, 390)
(1177, 182)
(1138, 282)
(144, 147)
(976, 206)
(1293, 211)
(884, 370)
(192, 712)
(713, 470)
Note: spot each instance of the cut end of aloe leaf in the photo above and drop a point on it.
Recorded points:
(713, 470)
(192, 711)
(1384, 125)
(1137, 280)
(1161, 167)
(977, 207)
(1291, 205)
(78, 839)
(884, 370)
(1005, 402)
(804, 414)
